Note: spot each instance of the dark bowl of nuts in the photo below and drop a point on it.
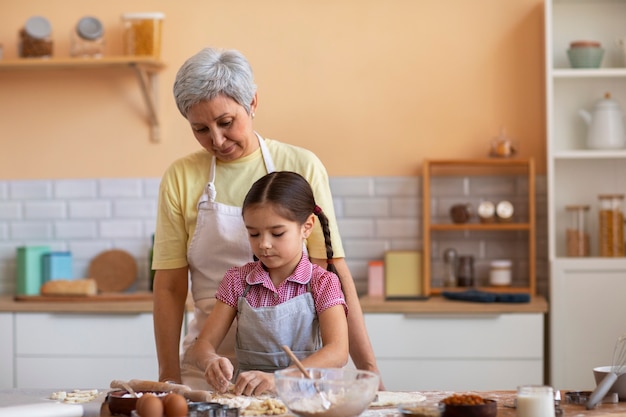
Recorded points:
(468, 405)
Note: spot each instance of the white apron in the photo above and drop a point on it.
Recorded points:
(262, 332)
(219, 242)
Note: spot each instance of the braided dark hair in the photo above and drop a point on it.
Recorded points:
(292, 198)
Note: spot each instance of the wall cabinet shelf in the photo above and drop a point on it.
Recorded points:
(437, 222)
(146, 70)
(584, 291)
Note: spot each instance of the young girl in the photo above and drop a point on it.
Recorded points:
(281, 299)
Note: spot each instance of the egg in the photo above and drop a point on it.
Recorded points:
(175, 405)
(150, 406)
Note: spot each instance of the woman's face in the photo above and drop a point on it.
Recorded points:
(223, 127)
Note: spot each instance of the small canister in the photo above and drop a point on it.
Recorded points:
(577, 235)
(87, 38)
(500, 273)
(142, 34)
(611, 225)
(36, 38)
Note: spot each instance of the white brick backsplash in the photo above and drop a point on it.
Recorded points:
(30, 190)
(99, 209)
(115, 188)
(397, 228)
(45, 210)
(397, 186)
(374, 214)
(10, 210)
(75, 229)
(366, 207)
(354, 228)
(75, 189)
(352, 186)
(121, 229)
(35, 230)
(406, 207)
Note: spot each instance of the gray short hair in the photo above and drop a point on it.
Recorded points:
(213, 72)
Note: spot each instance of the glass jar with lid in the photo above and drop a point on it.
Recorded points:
(36, 38)
(611, 225)
(87, 38)
(577, 234)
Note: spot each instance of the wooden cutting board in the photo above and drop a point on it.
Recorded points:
(114, 270)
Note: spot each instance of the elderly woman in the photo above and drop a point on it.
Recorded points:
(200, 232)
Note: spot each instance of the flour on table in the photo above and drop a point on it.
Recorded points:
(390, 398)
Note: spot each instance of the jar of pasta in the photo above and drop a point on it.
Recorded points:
(611, 225)
(577, 235)
(142, 34)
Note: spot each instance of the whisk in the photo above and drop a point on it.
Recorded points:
(618, 365)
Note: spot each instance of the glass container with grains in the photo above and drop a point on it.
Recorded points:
(611, 225)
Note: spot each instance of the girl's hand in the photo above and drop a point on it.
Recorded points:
(254, 383)
(218, 373)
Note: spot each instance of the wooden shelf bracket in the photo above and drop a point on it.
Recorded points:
(149, 89)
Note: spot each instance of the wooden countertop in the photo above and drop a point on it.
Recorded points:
(142, 303)
(441, 305)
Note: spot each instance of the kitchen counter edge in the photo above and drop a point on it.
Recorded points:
(441, 305)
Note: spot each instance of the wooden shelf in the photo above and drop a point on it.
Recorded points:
(485, 166)
(145, 69)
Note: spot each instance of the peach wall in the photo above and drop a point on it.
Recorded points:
(371, 86)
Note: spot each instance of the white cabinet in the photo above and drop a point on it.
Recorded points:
(6, 350)
(458, 352)
(55, 350)
(585, 292)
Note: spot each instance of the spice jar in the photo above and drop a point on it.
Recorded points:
(142, 34)
(35, 38)
(611, 225)
(449, 260)
(577, 235)
(500, 272)
(465, 272)
(87, 38)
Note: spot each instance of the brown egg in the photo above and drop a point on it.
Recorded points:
(175, 405)
(151, 406)
(140, 401)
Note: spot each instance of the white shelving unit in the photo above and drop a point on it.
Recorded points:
(582, 325)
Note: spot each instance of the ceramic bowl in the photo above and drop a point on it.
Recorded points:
(585, 57)
(348, 391)
(489, 409)
(122, 402)
(420, 409)
(618, 387)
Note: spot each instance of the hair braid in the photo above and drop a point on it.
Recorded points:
(329, 247)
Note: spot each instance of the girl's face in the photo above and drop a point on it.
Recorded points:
(223, 127)
(276, 241)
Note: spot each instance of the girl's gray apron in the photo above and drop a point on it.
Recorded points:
(219, 243)
(263, 331)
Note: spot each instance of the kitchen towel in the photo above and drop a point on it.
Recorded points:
(487, 297)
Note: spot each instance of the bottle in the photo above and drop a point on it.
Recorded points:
(465, 274)
(152, 271)
(449, 259)
(611, 225)
(577, 236)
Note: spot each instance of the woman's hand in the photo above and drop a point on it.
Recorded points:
(218, 373)
(254, 383)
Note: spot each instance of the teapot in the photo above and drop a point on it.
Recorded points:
(606, 124)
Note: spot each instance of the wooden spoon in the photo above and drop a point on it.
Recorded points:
(325, 401)
(129, 389)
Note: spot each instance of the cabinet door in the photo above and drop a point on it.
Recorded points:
(457, 352)
(83, 351)
(6, 350)
(587, 315)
